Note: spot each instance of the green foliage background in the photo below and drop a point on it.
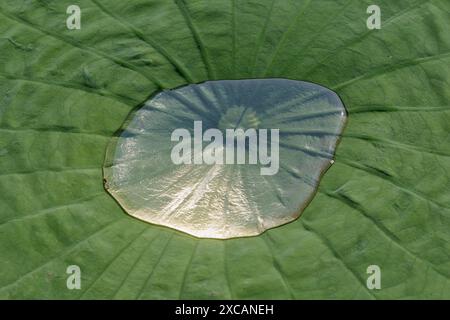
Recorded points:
(63, 94)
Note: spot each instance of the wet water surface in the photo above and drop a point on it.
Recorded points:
(225, 159)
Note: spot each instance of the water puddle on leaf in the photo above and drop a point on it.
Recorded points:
(225, 159)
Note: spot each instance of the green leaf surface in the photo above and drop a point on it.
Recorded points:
(64, 93)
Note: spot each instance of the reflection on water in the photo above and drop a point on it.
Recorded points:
(205, 196)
